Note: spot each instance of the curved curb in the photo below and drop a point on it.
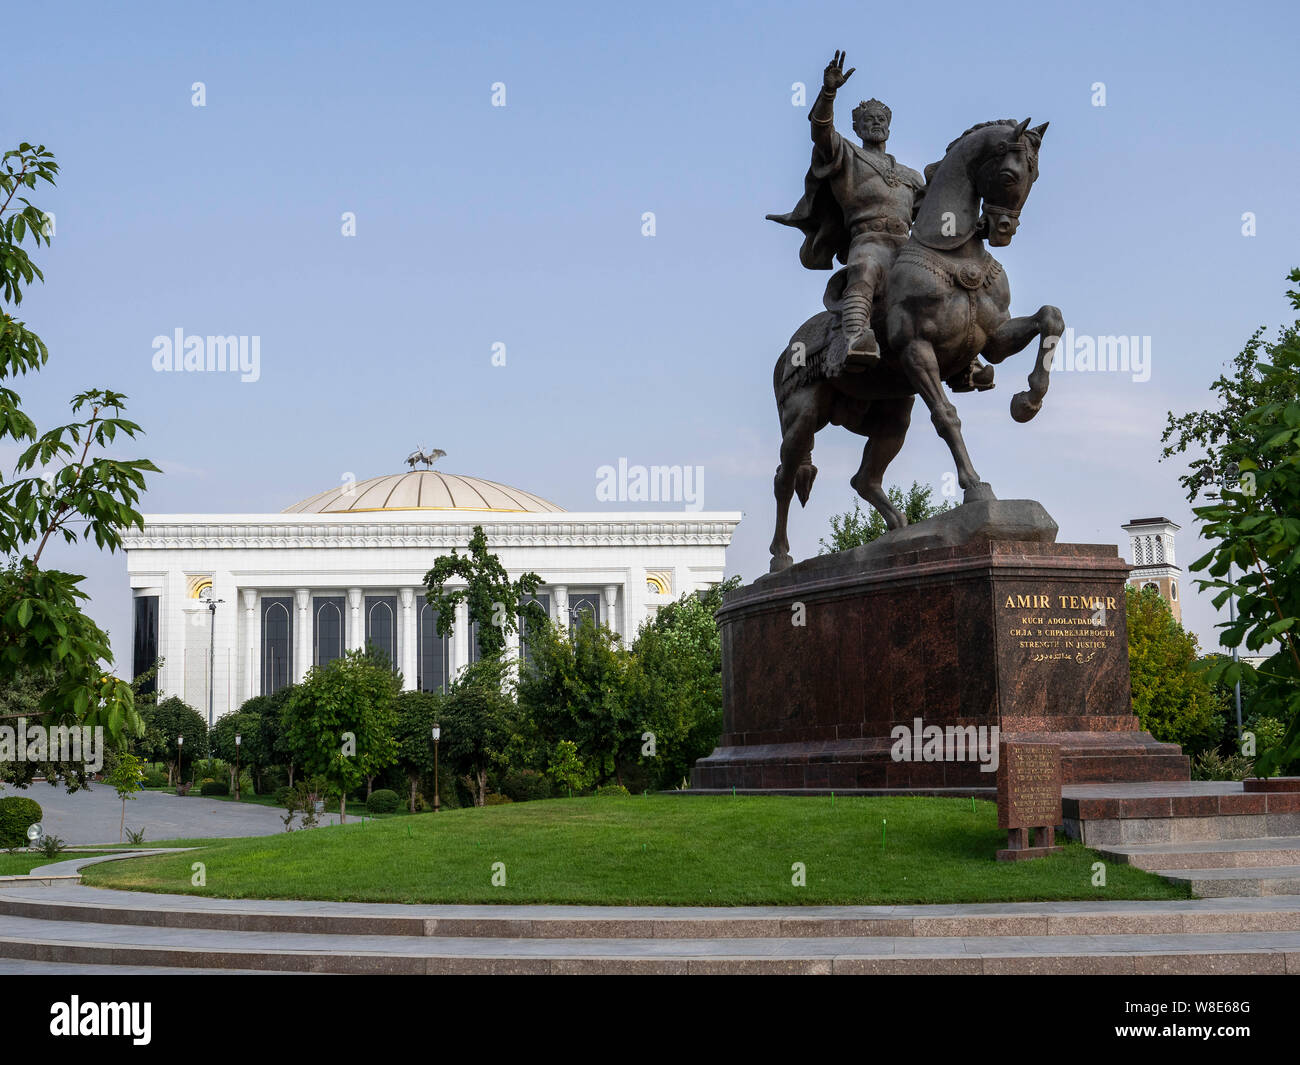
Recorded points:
(70, 868)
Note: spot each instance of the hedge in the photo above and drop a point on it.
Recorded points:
(383, 801)
(17, 814)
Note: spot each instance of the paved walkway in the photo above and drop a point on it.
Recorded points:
(92, 816)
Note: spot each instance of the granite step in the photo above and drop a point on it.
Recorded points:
(135, 910)
(1258, 882)
(76, 943)
(1250, 853)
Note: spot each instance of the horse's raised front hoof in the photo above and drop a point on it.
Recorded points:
(1024, 407)
(779, 563)
(978, 493)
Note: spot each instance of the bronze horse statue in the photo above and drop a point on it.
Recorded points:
(946, 300)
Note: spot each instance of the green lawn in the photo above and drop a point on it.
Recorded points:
(25, 861)
(646, 851)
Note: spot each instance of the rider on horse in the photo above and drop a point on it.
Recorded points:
(858, 205)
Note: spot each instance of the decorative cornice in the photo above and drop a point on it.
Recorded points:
(595, 531)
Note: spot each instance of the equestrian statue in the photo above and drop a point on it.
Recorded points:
(916, 303)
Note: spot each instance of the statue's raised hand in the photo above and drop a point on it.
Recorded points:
(834, 76)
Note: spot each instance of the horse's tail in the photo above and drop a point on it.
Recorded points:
(803, 479)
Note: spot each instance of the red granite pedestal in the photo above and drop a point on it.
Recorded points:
(823, 661)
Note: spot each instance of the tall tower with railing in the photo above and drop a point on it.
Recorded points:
(1154, 563)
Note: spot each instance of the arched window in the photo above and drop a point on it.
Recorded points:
(1173, 589)
(277, 642)
(329, 633)
(543, 600)
(381, 625)
(433, 667)
(584, 606)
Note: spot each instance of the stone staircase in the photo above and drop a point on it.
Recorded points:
(50, 925)
(1215, 836)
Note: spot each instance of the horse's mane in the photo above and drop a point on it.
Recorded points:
(929, 170)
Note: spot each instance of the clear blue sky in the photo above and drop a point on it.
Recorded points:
(522, 225)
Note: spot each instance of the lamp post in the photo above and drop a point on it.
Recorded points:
(238, 738)
(180, 758)
(1229, 475)
(212, 654)
(437, 733)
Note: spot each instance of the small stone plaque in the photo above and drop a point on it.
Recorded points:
(1029, 796)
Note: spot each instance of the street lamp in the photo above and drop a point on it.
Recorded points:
(207, 597)
(238, 739)
(437, 732)
(1231, 474)
(180, 758)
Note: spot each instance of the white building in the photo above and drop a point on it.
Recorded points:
(345, 568)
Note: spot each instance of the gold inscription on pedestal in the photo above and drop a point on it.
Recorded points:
(1056, 627)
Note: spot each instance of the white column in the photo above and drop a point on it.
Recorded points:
(561, 593)
(302, 635)
(611, 608)
(460, 639)
(252, 670)
(408, 647)
(356, 623)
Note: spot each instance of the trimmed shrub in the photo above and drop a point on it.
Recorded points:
(17, 814)
(383, 801)
(155, 778)
(611, 789)
(214, 787)
(281, 795)
(493, 799)
(525, 785)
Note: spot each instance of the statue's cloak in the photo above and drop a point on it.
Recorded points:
(820, 218)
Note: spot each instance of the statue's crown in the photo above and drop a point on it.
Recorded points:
(871, 105)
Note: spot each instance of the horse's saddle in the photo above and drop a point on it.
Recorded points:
(818, 347)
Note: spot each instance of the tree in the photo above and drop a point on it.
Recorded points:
(125, 780)
(250, 753)
(164, 725)
(856, 527)
(678, 658)
(417, 712)
(479, 717)
(340, 721)
(1172, 698)
(1255, 527)
(494, 600)
(580, 685)
(58, 487)
(1214, 435)
(273, 736)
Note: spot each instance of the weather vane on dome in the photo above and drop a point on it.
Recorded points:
(427, 457)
